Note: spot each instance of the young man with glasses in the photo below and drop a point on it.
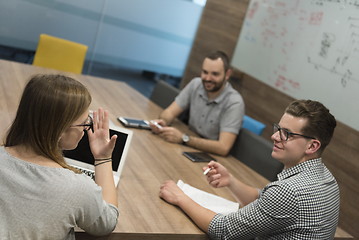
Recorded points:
(302, 204)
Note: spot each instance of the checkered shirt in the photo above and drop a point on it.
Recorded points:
(302, 204)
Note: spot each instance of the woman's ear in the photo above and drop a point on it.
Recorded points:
(313, 146)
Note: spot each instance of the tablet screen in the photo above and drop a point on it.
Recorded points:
(83, 152)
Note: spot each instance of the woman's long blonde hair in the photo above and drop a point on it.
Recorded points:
(48, 106)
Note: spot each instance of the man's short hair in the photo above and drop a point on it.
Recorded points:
(321, 123)
(219, 54)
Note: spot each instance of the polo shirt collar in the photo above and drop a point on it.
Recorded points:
(286, 173)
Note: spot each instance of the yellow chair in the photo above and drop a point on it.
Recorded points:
(60, 54)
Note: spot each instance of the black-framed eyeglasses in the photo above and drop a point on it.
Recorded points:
(88, 124)
(285, 134)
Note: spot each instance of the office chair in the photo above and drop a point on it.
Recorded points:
(255, 151)
(60, 54)
(164, 94)
(253, 125)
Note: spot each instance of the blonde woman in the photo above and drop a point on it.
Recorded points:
(41, 196)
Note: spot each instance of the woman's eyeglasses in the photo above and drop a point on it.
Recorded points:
(285, 134)
(88, 124)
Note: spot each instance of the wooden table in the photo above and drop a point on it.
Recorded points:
(150, 160)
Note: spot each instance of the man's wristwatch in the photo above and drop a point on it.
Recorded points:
(185, 138)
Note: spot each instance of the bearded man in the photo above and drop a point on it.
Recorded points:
(215, 108)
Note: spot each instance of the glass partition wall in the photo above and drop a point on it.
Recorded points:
(148, 35)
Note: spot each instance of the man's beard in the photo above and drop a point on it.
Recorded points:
(216, 87)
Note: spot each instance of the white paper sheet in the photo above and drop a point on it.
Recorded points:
(213, 202)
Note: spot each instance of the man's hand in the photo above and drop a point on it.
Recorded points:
(171, 134)
(171, 193)
(154, 124)
(218, 176)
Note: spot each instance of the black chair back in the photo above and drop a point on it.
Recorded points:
(255, 152)
(164, 94)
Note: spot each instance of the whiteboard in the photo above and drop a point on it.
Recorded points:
(307, 49)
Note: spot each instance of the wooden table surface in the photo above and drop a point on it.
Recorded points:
(150, 160)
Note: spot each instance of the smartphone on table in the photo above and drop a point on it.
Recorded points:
(198, 156)
(134, 123)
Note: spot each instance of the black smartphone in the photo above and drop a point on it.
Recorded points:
(135, 123)
(198, 156)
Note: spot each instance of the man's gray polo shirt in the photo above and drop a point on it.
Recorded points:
(210, 117)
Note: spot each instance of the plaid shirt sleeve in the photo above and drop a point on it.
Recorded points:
(275, 209)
